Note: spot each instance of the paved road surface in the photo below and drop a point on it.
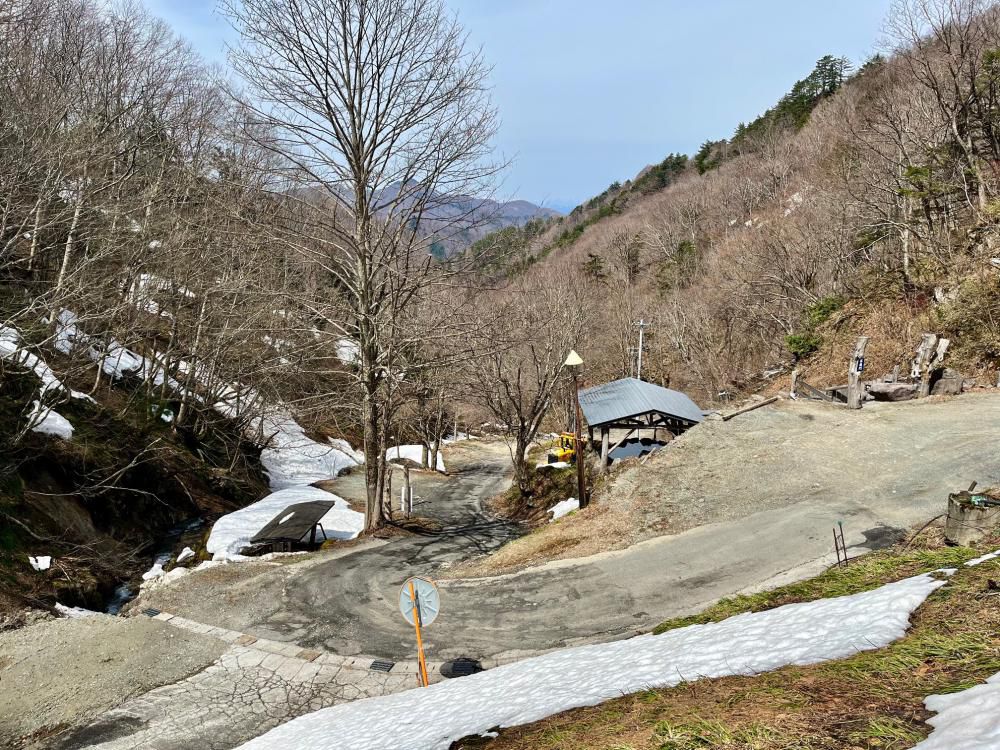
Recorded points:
(346, 602)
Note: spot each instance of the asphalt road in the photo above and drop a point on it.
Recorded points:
(346, 601)
(349, 604)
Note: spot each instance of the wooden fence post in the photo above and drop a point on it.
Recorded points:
(854, 375)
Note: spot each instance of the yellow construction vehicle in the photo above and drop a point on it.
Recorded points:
(565, 450)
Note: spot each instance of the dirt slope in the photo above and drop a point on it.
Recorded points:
(772, 458)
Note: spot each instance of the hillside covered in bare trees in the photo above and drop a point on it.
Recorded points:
(200, 264)
(864, 202)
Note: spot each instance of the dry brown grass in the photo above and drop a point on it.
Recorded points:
(871, 701)
(594, 529)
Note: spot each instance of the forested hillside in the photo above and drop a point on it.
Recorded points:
(864, 202)
(191, 273)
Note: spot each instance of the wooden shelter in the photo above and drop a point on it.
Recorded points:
(631, 404)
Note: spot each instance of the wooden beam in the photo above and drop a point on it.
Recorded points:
(745, 409)
(605, 439)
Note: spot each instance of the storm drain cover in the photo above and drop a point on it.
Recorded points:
(461, 667)
(151, 612)
(379, 665)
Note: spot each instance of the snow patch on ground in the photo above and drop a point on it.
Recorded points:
(42, 562)
(526, 691)
(984, 558)
(566, 506)
(969, 720)
(553, 465)
(344, 447)
(292, 459)
(415, 454)
(185, 554)
(232, 533)
(348, 351)
(75, 612)
(10, 349)
(49, 422)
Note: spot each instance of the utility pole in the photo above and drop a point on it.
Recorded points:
(573, 362)
(642, 331)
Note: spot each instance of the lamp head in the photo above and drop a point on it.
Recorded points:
(573, 360)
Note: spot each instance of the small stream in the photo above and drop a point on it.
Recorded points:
(185, 534)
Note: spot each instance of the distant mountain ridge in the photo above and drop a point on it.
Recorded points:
(461, 220)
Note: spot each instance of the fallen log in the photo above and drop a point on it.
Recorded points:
(745, 409)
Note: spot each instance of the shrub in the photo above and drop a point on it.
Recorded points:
(803, 344)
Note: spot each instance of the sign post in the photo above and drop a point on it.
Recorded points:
(420, 602)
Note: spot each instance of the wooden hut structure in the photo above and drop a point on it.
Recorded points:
(631, 404)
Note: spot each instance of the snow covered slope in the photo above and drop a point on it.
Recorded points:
(529, 690)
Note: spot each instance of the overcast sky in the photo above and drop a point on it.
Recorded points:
(590, 92)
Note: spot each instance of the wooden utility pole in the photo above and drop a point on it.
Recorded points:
(854, 393)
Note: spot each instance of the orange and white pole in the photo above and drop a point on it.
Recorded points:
(420, 643)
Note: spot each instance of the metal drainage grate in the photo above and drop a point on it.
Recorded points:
(151, 612)
(380, 665)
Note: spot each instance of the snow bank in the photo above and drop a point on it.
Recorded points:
(75, 612)
(10, 348)
(49, 422)
(969, 720)
(344, 447)
(232, 533)
(432, 718)
(566, 506)
(154, 572)
(292, 459)
(186, 554)
(415, 454)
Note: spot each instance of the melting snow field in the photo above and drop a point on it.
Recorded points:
(292, 459)
(432, 718)
(969, 720)
(232, 533)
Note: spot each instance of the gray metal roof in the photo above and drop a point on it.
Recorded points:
(629, 397)
(294, 522)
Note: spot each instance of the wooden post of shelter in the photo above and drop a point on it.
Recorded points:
(605, 445)
(795, 383)
(854, 374)
(407, 493)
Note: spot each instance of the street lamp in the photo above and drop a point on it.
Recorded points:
(574, 362)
